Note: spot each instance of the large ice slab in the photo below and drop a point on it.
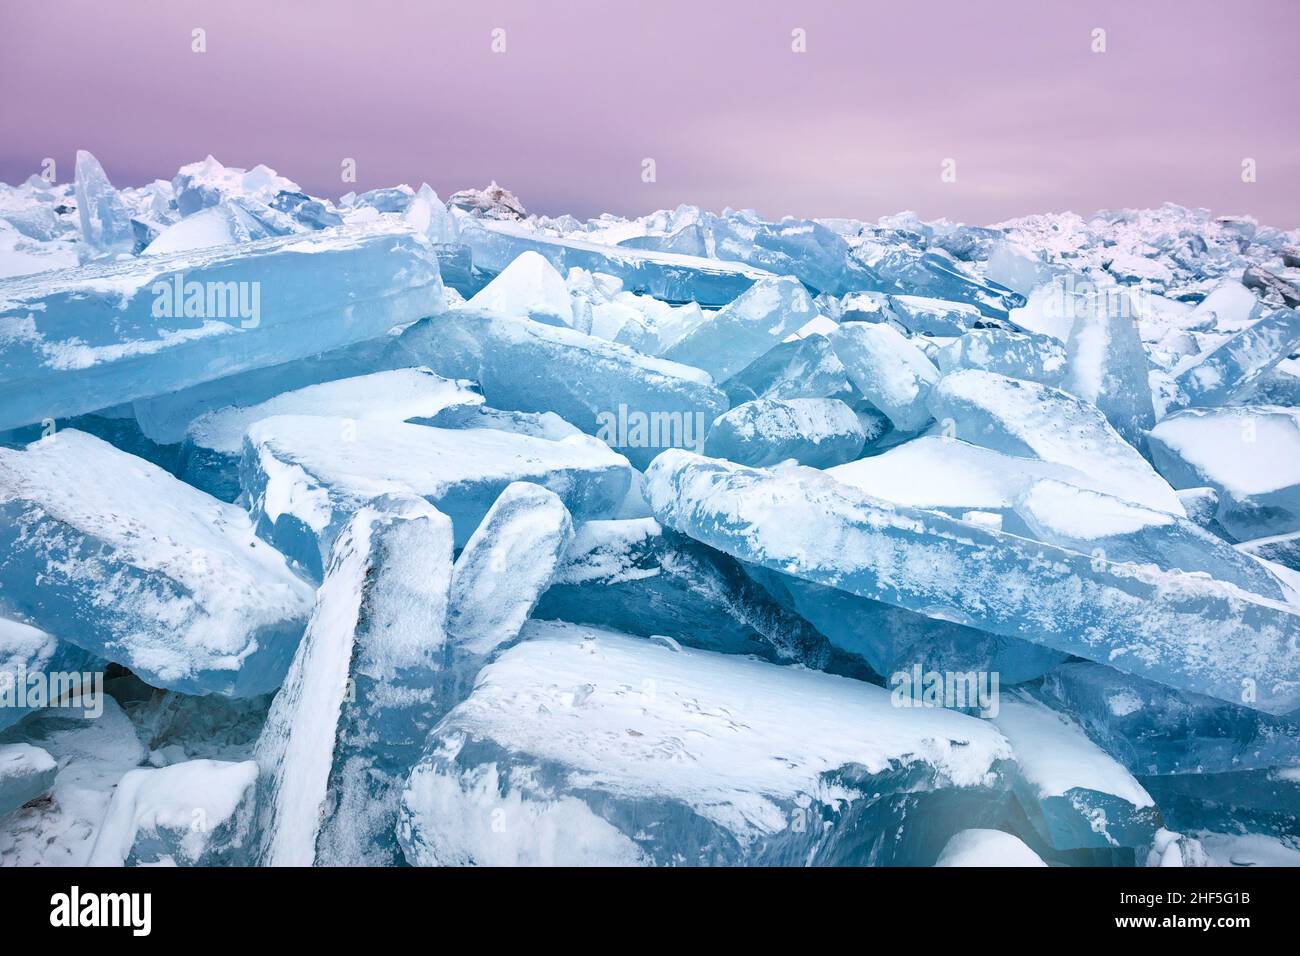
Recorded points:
(1184, 630)
(1236, 366)
(1075, 794)
(818, 432)
(194, 813)
(757, 321)
(888, 369)
(365, 688)
(1038, 358)
(304, 475)
(215, 440)
(1107, 366)
(110, 332)
(664, 275)
(598, 748)
(1250, 454)
(926, 316)
(802, 368)
(1034, 421)
(115, 555)
(105, 223)
(637, 404)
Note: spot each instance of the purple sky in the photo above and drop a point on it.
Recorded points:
(856, 126)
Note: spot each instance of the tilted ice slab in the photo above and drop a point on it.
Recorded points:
(1037, 358)
(818, 432)
(87, 338)
(505, 566)
(105, 223)
(1152, 729)
(987, 848)
(26, 772)
(591, 747)
(26, 651)
(926, 316)
(757, 321)
(664, 275)
(194, 813)
(1250, 454)
(115, 555)
(638, 404)
(1108, 366)
(1184, 630)
(215, 440)
(890, 371)
(365, 688)
(304, 476)
(1235, 367)
(1075, 795)
(1034, 421)
(803, 368)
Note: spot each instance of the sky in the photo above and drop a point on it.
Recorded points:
(858, 125)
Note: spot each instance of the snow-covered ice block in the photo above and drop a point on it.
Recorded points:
(1153, 729)
(505, 566)
(802, 368)
(592, 747)
(215, 440)
(757, 321)
(630, 575)
(26, 651)
(1227, 307)
(194, 813)
(546, 425)
(365, 688)
(527, 288)
(1250, 454)
(664, 275)
(1037, 358)
(889, 370)
(926, 316)
(105, 223)
(987, 848)
(1075, 794)
(26, 772)
(1184, 630)
(1107, 365)
(115, 555)
(225, 224)
(1035, 421)
(304, 476)
(818, 432)
(636, 403)
(110, 332)
(1236, 366)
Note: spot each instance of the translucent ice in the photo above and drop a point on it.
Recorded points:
(304, 476)
(527, 288)
(1037, 358)
(1238, 364)
(890, 371)
(105, 223)
(26, 772)
(745, 329)
(429, 217)
(1250, 454)
(26, 651)
(818, 432)
(120, 558)
(926, 316)
(1107, 366)
(1184, 630)
(580, 737)
(364, 690)
(805, 367)
(108, 333)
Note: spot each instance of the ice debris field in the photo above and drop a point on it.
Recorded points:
(390, 531)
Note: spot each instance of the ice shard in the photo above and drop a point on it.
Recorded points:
(194, 813)
(803, 368)
(117, 556)
(888, 369)
(365, 688)
(1235, 367)
(1037, 358)
(1034, 421)
(745, 329)
(1107, 366)
(804, 523)
(111, 332)
(528, 288)
(818, 432)
(429, 217)
(586, 746)
(638, 404)
(925, 316)
(1250, 454)
(304, 476)
(105, 223)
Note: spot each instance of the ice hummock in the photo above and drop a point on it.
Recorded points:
(598, 748)
(367, 684)
(987, 848)
(115, 555)
(1185, 630)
